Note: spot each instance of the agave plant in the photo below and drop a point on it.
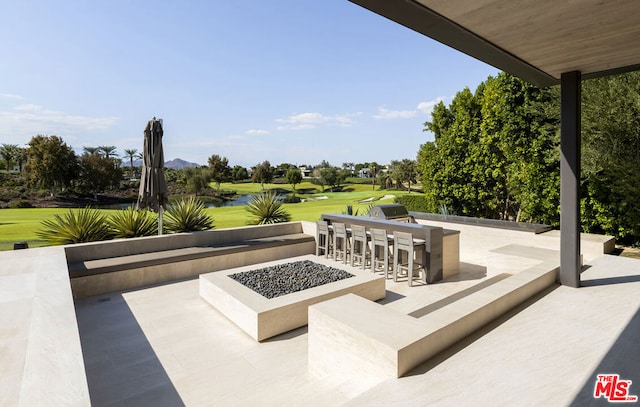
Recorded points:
(265, 209)
(187, 215)
(132, 223)
(77, 226)
(349, 211)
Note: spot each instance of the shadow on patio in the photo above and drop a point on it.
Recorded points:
(623, 358)
(120, 363)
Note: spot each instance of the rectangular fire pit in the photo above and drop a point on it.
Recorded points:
(263, 317)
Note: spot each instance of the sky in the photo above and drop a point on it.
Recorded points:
(289, 81)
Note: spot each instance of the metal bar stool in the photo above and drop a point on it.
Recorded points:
(341, 241)
(323, 238)
(381, 244)
(405, 242)
(359, 245)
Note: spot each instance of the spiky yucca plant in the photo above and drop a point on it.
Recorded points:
(187, 215)
(265, 209)
(132, 223)
(77, 226)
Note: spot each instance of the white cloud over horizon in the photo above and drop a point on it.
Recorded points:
(311, 120)
(387, 114)
(10, 96)
(257, 132)
(423, 108)
(427, 107)
(26, 120)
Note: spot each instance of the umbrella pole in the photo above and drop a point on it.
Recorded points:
(160, 220)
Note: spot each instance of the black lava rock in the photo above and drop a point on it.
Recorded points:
(282, 279)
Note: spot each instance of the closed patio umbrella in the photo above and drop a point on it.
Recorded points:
(153, 193)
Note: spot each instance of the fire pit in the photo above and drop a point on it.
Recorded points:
(287, 278)
(262, 317)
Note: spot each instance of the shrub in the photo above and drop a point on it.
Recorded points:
(414, 203)
(132, 223)
(349, 211)
(265, 209)
(187, 215)
(77, 226)
(291, 199)
(20, 204)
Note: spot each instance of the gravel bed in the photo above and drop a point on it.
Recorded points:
(282, 279)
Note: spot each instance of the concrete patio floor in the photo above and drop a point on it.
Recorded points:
(166, 346)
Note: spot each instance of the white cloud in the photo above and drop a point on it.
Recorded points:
(11, 96)
(310, 120)
(422, 108)
(427, 107)
(296, 127)
(386, 114)
(28, 108)
(27, 120)
(307, 118)
(254, 132)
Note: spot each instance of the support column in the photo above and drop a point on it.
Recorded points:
(570, 89)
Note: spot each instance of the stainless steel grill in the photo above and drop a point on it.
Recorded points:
(395, 212)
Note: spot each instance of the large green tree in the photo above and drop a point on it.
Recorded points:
(294, 177)
(239, 173)
(51, 163)
(403, 171)
(494, 153)
(98, 173)
(332, 176)
(262, 173)
(450, 175)
(611, 156)
(219, 169)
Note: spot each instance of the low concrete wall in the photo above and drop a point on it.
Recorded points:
(40, 351)
(125, 247)
(476, 241)
(140, 276)
(352, 336)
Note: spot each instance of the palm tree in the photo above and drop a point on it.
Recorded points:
(23, 156)
(9, 153)
(90, 150)
(108, 151)
(131, 154)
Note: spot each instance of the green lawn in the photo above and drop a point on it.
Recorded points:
(18, 225)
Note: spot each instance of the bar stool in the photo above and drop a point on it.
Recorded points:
(405, 242)
(359, 245)
(323, 238)
(341, 241)
(381, 244)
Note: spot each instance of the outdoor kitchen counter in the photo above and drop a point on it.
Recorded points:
(442, 254)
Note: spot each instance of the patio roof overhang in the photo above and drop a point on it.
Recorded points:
(534, 40)
(545, 42)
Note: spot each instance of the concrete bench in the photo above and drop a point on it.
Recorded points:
(441, 257)
(353, 336)
(108, 265)
(101, 267)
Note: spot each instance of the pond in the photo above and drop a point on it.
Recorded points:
(240, 200)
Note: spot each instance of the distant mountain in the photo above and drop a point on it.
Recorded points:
(176, 164)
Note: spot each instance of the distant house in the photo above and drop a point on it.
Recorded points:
(364, 173)
(306, 172)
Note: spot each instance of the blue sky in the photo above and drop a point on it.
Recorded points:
(295, 81)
